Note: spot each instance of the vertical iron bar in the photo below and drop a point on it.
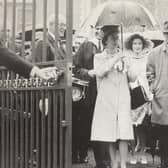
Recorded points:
(55, 129)
(33, 29)
(17, 159)
(23, 26)
(13, 25)
(2, 130)
(49, 129)
(68, 90)
(5, 22)
(56, 26)
(61, 135)
(43, 136)
(44, 30)
(37, 131)
(32, 128)
(27, 129)
(7, 129)
(12, 165)
(21, 111)
(69, 21)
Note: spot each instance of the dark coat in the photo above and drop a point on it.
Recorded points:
(15, 63)
(158, 67)
(83, 62)
(52, 54)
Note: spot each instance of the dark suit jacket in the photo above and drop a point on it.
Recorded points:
(51, 52)
(83, 62)
(15, 63)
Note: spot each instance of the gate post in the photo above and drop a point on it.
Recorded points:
(68, 96)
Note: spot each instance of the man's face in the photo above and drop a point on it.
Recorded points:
(61, 28)
(98, 33)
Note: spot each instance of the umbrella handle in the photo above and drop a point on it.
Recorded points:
(122, 39)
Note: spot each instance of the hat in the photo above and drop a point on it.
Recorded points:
(165, 27)
(147, 44)
(110, 28)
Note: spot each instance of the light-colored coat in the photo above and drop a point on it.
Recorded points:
(137, 69)
(112, 119)
(158, 66)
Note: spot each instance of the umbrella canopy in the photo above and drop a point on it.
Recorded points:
(132, 16)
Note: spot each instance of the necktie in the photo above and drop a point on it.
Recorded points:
(99, 46)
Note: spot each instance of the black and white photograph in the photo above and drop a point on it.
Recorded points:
(84, 84)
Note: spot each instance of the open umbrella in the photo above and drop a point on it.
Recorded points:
(132, 16)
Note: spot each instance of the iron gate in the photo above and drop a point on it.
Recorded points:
(35, 115)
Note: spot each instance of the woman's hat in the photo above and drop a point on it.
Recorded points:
(110, 28)
(146, 43)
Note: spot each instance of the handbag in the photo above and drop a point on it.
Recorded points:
(138, 97)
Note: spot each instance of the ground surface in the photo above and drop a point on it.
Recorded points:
(150, 164)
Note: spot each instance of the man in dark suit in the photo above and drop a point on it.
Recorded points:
(15, 63)
(83, 61)
(55, 49)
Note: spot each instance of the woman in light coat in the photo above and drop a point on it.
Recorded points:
(112, 119)
(137, 53)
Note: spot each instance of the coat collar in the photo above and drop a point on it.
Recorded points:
(96, 42)
(142, 55)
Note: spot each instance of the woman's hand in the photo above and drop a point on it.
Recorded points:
(114, 59)
(92, 73)
(119, 62)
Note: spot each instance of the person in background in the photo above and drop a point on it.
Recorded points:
(138, 49)
(83, 112)
(158, 67)
(55, 48)
(112, 114)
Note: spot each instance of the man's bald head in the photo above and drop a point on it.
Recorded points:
(61, 24)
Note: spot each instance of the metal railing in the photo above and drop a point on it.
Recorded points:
(32, 136)
(35, 115)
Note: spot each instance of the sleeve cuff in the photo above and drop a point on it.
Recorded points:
(133, 84)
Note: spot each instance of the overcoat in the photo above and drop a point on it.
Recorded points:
(15, 63)
(51, 52)
(158, 67)
(112, 114)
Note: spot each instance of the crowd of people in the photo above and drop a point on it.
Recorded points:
(107, 120)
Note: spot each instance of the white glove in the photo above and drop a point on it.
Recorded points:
(46, 73)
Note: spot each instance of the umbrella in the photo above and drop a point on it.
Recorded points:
(132, 16)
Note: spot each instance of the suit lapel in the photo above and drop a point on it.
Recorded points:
(56, 51)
